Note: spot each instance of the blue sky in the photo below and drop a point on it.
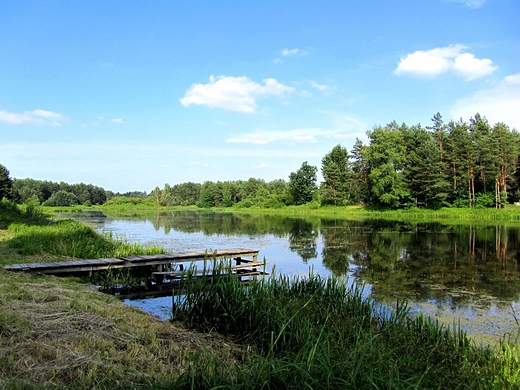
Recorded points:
(130, 95)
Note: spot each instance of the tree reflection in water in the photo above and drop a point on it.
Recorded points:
(455, 268)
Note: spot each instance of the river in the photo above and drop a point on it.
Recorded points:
(463, 274)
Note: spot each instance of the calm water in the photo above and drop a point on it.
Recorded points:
(453, 273)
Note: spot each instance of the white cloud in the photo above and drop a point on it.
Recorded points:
(498, 104)
(343, 127)
(117, 120)
(267, 137)
(290, 136)
(443, 59)
(319, 87)
(324, 89)
(290, 52)
(36, 117)
(469, 3)
(470, 67)
(232, 93)
(199, 163)
(260, 166)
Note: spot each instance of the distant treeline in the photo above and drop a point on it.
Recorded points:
(50, 193)
(459, 164)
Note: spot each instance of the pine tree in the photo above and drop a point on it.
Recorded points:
(335, 171)
(6, 183)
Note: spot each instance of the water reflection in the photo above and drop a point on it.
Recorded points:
(414, 260)
(457, 269)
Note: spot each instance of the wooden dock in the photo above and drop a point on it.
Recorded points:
(247, 258)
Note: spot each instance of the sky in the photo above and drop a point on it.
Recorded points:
(129, 95)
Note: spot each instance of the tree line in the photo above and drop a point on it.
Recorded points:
(455, 164)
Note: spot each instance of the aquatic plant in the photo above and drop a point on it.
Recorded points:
(317, 332)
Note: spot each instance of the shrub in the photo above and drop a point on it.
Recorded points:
(62, 198)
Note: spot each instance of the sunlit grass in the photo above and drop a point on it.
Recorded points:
(68, 238)
(319, 333)
(280, 333)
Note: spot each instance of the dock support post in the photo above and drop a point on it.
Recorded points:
(159, 278)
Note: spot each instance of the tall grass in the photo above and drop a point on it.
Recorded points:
(318, 332)
(28, 214)
(72, 239)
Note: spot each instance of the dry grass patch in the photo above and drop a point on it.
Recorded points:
(58, 333)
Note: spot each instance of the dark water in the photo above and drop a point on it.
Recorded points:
(468, 274)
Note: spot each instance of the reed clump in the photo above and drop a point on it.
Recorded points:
(319, 332)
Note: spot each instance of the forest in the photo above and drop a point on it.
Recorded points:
(456, 164)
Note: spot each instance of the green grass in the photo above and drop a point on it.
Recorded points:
(318, 333)
(457, 215)
(69, 238)
(280, 333)
(59, 333)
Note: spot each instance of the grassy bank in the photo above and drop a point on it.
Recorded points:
(318, 333)
(509, 214)
(309, 333)
(60, 333)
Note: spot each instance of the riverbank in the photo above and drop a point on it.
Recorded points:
(59, 333)
(451, 215)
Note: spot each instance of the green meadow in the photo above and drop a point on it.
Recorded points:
(279, 333)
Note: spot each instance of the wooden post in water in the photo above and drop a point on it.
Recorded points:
(159, 278)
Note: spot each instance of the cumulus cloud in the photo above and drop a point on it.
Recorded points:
(290, 53)
(233, 93)
(36, 117)
(498, 104)
(470, 67)
(443, 59)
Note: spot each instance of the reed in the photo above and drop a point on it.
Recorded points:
(319, 332)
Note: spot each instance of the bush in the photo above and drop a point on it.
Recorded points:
(62, 198)
(485, 200)
(123, 200)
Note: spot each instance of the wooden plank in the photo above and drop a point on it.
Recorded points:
(132, 258)
(242, 267)
(78, 265)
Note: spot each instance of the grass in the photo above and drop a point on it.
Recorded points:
(454, 215)
(67, 239)
(318, 333)
(511, 213)
(59, 333)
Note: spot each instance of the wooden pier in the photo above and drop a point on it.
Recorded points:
(160, 274)
(244, 259)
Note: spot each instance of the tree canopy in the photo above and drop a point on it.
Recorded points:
(456, 164)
